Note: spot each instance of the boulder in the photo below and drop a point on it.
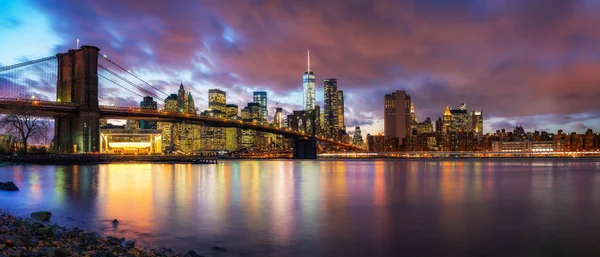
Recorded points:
(8, 186)
(41, 215)
(130, 244)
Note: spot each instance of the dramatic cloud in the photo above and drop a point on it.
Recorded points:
(534, 62)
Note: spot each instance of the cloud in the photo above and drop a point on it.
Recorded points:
(510, 59)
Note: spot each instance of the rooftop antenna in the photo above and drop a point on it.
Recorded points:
(77, 44)
(308, 51)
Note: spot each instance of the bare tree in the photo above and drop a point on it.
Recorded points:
(26, 127)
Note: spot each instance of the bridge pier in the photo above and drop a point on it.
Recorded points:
(305, 148)
(77, 83)
(79, 133)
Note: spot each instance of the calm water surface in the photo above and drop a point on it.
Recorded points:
(327, 208)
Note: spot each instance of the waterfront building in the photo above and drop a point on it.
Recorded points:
(138, 141)
(261, 99)
(397, 115)
(308, 87)
(148, 104)
(382, 143)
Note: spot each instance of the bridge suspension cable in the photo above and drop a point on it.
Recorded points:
(128, 71)
(145, 91)
(30, 79)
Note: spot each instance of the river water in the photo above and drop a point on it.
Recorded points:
(327, 208)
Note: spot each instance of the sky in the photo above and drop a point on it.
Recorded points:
(529, 62)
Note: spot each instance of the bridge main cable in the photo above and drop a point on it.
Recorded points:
(27, 63)
(129, 82)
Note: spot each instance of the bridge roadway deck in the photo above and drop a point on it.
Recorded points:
(54, 109)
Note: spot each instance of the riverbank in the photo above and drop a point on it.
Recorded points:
(55, 159)
(26, 237)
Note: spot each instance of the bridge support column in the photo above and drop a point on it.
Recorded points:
(79, 133)
(305, 148)
(77, 83)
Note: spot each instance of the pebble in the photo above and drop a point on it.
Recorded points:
(26, 237)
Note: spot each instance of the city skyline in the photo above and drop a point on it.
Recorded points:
(547, 81)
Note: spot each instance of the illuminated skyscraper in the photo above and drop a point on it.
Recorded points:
(216, 100)
(447, 120)
(308, 86)
(476, 120)
(330, 117)
(278, 117)
(397, 115)
(261, 99)
(357, 137)
(340, 110)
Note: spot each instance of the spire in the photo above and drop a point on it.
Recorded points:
(447, 112)
(308, 52)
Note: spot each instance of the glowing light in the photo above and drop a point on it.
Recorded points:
(104, 56)
(129, 144)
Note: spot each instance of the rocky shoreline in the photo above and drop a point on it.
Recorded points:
(27, 237)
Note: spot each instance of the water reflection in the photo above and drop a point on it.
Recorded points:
(450, 208)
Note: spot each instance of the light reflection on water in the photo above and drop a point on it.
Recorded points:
(293, 208)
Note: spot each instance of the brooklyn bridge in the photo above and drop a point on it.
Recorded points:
(87, 83)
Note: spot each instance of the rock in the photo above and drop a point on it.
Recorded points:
(13, 253)
(191, 254)
(130, 244)
(41, 215)
(8, 186)
(115, 222)
(218, 249)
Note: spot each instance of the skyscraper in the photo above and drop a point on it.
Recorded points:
(476, 120)
(261, 99)
(357, 137)
(340, 110)
(397, 115)
(148, 104)
(278, 117)
(447, 120)
(216, 100)
(308, 86)
(331, 108)
(182, 103)
(191, 106)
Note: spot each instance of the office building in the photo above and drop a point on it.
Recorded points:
(476, 120)
(331, 108)
(278, 117)
(261, 99)
(340, 111)
(357, 137)
(148, 104)
(216, 100)
(397, 115)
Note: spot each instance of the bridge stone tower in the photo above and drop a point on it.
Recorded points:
(77, 83)
(306, 148)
